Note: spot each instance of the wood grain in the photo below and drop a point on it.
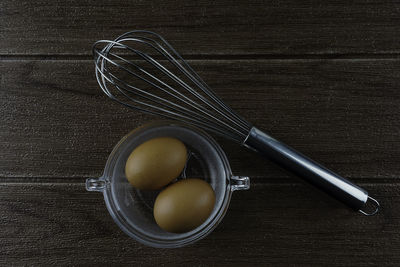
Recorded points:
(322, 76)
(204, 27)
(56, 122)
(271, 225)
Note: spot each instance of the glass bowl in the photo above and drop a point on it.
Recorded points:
(132, 209)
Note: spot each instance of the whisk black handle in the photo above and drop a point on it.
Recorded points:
(324, 179)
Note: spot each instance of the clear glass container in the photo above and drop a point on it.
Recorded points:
(132, 209)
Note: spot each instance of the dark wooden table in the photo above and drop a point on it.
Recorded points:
(322, 76)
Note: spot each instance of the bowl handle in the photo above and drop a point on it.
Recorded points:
(240, 183)
(96, 184)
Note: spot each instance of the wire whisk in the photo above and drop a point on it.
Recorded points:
(141, 70)
(185, 96)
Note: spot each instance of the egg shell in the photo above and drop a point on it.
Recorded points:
(155, 163)
(184, 205)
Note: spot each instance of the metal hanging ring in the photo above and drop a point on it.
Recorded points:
(377, 206)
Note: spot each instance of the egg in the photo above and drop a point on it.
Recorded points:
(184, 205)
(155, 163)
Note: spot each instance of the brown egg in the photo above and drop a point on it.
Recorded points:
(155, 163)
(184, 205)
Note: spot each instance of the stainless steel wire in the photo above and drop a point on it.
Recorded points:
(141, 70)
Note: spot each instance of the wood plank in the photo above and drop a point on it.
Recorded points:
(272, 225)
(56, 122)
(203, 27)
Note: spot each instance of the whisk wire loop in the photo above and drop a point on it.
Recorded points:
(122, 86)
(175, 93)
